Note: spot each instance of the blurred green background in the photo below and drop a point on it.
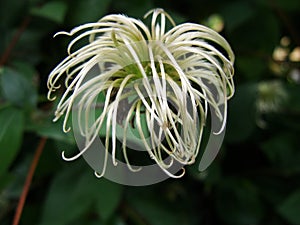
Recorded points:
(255, 179)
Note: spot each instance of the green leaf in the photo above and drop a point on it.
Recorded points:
(17, 89)
(107, 196)
(244, 37)
(246, 64)
(63, 203)
(4, 180)
(282, 151)
(241, 113)
(152, 204)
(47, 128)
(87, 11)
(12, 123)
(286, 5)
(74, 191)
(236, 13)
(135, 8)
(54, 10)
(238, 203)
(156, 213)
(290, 208)
(11, 12)
(28, 70)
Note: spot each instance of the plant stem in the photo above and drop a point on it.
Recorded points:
(28, 180)
(5, 56)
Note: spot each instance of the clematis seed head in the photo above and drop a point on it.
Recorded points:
(159, 83)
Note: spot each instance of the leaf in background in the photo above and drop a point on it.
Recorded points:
(12, 123)
(74, 191)
(53, 130)
(58, 207)
(257, 35)
(10, 12)
(17, 89)
(246, 64)
(241, 113)
(289, 5)
(53, 10)
(107, 196)
(134, 8)
(238, 203)
(4, 180)
(87, 11)
(28, 70)
(274, 189)
(154, 208)
(281, 150)
(236, 14)
(290, 208)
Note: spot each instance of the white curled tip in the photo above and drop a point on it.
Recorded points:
(167, 172)
(51, 86)
(66, 130)
(221, 129)
(55, 119)
(99, 175)
(133, 169)
(62, 33)
(75, 30)
(51, 98)
(115, 163)
(57, 116)
(175, 176)
(73, 157)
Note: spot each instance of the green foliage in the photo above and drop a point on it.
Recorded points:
(237, 13)
(254, 180)
(17, 89)
(290, 208)
(243, 104)
(87, 11)
(155, 210)
(54, 10)
(10, 12)
(238, 202)
(66, 203)
(12, 126)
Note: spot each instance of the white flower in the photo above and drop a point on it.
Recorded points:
(167, 78)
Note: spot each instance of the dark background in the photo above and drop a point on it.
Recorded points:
(253, 181)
